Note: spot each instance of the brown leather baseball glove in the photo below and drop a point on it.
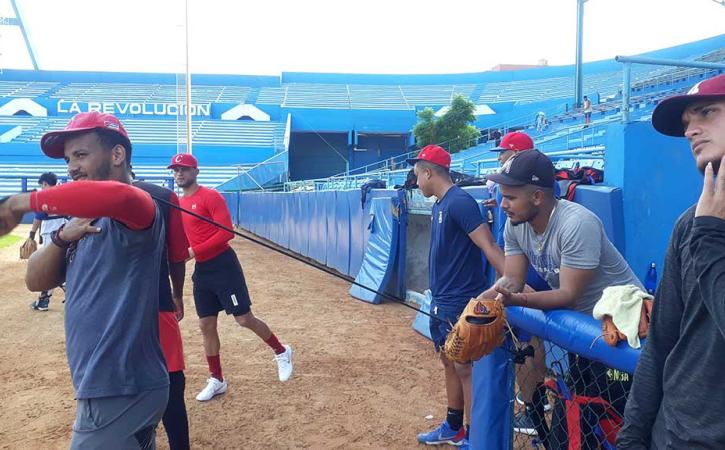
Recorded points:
(479, 330)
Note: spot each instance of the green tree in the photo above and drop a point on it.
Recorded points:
(453, 130)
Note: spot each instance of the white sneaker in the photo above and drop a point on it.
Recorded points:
(284, 363)
(213, 387)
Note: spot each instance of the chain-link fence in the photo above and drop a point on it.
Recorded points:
(564, 400)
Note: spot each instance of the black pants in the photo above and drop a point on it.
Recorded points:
(175, 421)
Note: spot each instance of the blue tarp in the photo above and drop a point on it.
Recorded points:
(378, 266)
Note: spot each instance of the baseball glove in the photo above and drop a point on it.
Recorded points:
(479, 330)
(28, 248)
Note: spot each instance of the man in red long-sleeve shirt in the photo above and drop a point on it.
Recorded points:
(218, 278)
(109, 257)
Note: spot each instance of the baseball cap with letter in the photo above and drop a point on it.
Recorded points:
(433, 154)
(183, 160)
(532, 167)
(516, 140)
(667, 116)
(53, 143)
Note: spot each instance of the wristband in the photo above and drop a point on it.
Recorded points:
(57, 240)
(32, 235)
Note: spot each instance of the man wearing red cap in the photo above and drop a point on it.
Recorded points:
(456, 274)
(677, 399)
(219, 283)
(110, 261)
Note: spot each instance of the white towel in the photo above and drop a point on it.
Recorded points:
(624, 304)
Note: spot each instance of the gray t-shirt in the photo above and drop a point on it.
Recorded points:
(574, 238)
(112, 311)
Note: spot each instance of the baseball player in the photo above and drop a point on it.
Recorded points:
(455, 265)
(677, 398)
(109, 255)
(47, 224)
(219, 283)
(568, 247)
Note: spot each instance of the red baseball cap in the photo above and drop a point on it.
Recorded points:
(667, 116)
(53, 143)
(517, 141)
(433, 154)
(183, 160)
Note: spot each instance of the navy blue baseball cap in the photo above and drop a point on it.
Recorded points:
(529, 167)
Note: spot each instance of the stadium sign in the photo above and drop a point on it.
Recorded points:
(134, 108)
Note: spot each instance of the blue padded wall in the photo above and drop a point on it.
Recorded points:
(659, 181)
(357, 227)
(606, 203)
(493, 389)
(285, 232)
(328, 200)
(318, 228)
(339, 257)
(378, 266)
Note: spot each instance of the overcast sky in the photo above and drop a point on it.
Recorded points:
(371, 36)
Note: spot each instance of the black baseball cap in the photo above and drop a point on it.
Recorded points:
(529, 167)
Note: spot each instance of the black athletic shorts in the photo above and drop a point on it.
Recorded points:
(219, 285)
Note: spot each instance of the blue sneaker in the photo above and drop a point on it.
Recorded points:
(443, 435)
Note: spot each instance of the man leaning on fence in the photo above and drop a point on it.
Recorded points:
(677, 397)
(567, 246)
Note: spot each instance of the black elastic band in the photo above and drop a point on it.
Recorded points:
(294, 256)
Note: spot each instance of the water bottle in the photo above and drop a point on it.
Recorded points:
(650, 281)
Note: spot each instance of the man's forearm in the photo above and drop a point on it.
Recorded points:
(46, 268)
(554, 299)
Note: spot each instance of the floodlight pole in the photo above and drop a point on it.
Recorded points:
(188, 83)
(578, 79)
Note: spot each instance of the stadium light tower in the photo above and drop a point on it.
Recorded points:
(188, 83)
(578, 80)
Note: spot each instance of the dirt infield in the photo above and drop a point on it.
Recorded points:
(363, 378)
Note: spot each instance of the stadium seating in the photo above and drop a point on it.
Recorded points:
(25, 88)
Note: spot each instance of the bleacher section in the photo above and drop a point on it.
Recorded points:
(363, 96)
(125, 92)
(157, 131)
(25, 88)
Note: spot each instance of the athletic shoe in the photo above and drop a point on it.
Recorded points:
(464, 445)
(443, 435)
(524, 424)
(284, 363)
(40, 304)
(520, 401)
(213, 387)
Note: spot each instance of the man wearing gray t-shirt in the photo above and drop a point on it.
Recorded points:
(563, 241)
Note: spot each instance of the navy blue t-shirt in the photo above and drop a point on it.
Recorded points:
(455, 263)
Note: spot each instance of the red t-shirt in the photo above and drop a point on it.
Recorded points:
(207, 240)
